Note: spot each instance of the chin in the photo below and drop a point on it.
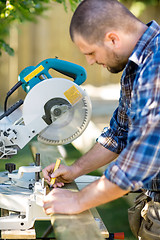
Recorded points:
(115, 70)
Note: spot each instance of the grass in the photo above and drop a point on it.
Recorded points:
(114, 216)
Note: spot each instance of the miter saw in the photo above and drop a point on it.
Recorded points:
(57, 110)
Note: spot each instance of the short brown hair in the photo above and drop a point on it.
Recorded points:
(93, 17)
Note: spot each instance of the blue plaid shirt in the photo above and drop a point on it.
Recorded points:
(134, 131)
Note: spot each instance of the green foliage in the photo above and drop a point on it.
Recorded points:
(19, 11)
(73, 3)
(4, 46)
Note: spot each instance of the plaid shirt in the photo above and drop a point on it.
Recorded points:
(134, 131)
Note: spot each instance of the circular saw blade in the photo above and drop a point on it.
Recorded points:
(73, 103)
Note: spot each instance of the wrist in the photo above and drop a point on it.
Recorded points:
(81, 205)
(75, 170)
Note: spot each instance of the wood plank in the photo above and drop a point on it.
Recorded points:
(77, 227)
(18, 234)
(82, 182)
(100, 223)
(68, 227)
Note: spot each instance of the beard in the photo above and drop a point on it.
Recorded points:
(116, 69)
(118, 65)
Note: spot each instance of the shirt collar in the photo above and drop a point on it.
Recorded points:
(137, 54)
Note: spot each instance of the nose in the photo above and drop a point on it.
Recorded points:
(90, 60)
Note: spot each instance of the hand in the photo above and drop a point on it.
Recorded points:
(61, 201)
(64, 174)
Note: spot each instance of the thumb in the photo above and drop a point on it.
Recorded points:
(57, 173)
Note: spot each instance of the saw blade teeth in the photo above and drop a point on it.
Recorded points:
(69, 139)
(85, 107)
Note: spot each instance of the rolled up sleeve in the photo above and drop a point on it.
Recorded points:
(114, 137)
(138, 163)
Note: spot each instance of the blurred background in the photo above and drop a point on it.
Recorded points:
(49, 37)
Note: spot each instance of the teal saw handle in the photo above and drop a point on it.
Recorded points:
(30, 76)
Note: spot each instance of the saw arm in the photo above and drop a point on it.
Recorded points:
(57, 110)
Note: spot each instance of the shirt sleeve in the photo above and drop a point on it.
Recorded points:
(114, 137)
(138, 163)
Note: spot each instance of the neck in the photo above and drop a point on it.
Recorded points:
(132, 39)
(138, 34)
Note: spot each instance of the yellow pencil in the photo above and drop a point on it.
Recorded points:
(58, 161)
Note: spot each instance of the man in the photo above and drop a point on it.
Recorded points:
(110, 35)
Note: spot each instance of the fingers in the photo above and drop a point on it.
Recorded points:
(58, 184)
(49, 208)
(47, 172)
(49, 211)
(48, 202)
(62, 175)
(58, 200)
(57, 173)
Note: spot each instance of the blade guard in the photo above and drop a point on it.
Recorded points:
(31, 75)
(63, 105)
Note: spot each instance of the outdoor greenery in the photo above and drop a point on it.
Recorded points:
(19, 11)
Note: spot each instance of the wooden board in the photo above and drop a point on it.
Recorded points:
(78, 226)
(68, 227)
(101, 226)
(18, 234)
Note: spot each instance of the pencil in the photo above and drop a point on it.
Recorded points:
(58, 161)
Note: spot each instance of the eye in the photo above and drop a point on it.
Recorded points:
(90, 54)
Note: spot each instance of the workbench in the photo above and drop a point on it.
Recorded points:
(86, 225)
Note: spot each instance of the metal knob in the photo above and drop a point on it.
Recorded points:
(10, 167)
(37, 163)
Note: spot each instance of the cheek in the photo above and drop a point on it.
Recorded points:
(110, 58)
(102, 57)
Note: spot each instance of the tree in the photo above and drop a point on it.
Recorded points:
(12, 11)
(19, 11)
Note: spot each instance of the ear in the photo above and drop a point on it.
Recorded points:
(112, 40)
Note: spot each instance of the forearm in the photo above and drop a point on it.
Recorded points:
(95, 194)
(97, 157)
(99, 192)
